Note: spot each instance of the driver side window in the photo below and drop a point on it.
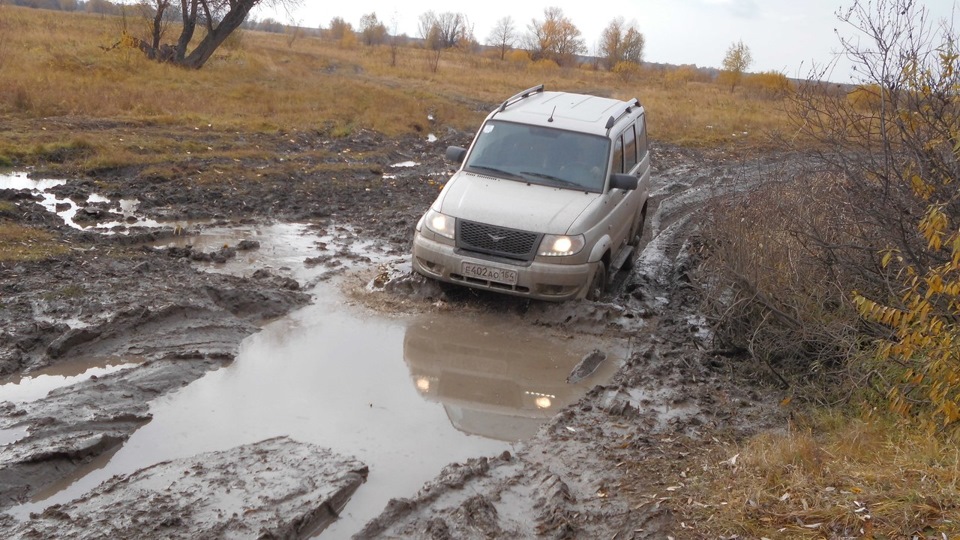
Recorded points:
(618, 155)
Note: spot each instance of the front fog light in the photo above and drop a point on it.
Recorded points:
(441, 224)
(560, 245)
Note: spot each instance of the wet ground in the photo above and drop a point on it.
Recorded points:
(405, 395)
(176, 329)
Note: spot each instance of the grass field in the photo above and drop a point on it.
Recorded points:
(68, 100)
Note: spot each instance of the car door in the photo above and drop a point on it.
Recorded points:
(624, 203)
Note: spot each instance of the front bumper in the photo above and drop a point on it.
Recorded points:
(539, 280)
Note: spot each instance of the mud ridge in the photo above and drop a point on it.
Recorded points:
(277, 488)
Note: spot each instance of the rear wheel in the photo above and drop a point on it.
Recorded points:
(598, 285)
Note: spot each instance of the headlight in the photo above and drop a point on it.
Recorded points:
(441, 224)
(560, 245)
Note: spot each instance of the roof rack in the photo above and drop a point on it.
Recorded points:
(522, 95)
(613, 121)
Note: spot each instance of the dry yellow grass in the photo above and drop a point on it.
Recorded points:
(835, 477)
(264, 83)
(18, 243)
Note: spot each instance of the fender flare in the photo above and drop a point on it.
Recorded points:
(601, 247)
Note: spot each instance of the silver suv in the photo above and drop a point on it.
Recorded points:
(549, 201)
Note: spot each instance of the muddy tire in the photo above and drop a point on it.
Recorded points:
(598, 285)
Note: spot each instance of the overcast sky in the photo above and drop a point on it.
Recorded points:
(783, 35)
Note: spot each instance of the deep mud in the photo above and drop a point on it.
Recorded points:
(277, 488)
(611, 465)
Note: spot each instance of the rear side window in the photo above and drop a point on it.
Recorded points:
(618, 155)
(629, 149)
(642, 139)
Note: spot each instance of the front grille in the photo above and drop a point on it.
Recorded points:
(499, 241)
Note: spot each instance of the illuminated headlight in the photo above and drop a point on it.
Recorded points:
(560, 245)
(441, 224)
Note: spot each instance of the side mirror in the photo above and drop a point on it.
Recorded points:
(456, 154)
(628, 182)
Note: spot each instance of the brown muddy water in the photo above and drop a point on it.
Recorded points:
(406, 394)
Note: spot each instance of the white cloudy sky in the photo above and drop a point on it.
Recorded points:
(783, 35)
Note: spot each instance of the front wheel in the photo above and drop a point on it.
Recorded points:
(598, 285)
(635, 240)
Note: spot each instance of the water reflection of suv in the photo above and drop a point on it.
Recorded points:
(549, 201)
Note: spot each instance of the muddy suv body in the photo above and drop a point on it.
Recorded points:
(549, 201)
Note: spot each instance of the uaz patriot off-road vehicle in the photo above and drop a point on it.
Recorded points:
(549, 201)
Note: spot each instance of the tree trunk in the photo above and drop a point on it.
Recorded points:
(215, 36)
(188, 10)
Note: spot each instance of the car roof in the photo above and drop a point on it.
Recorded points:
(564, 110)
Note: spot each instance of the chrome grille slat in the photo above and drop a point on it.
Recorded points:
(499, 241)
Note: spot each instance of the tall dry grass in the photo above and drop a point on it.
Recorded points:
(831, 476)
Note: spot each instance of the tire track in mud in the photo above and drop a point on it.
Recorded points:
(685, 185)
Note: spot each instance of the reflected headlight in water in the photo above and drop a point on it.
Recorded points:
(423, 384)
(542, 401)
(441, 224)
(554, 245)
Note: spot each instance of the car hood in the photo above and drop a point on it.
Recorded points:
(513, 204)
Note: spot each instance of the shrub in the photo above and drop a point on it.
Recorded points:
(766, 286)
(865, 97)
(686, 74)
(881, 219)
(518, 57)
(627, 71)
(545, 64)
(771, 84)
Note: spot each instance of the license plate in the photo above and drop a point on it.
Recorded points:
(490, 273)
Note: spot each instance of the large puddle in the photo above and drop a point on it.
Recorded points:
(404, 394)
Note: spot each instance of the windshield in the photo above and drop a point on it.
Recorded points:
(540, 155)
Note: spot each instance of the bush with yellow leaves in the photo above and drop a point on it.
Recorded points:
(920, 359)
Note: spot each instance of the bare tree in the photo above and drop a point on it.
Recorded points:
(503, 36)
(555, 38)
(621, 42)
(396, 40)
(446, 29)
(219, 18)
(736, 62)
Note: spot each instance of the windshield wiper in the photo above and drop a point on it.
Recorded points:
(552, 178)
(494, 170)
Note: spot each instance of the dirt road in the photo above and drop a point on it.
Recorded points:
(612, 464)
